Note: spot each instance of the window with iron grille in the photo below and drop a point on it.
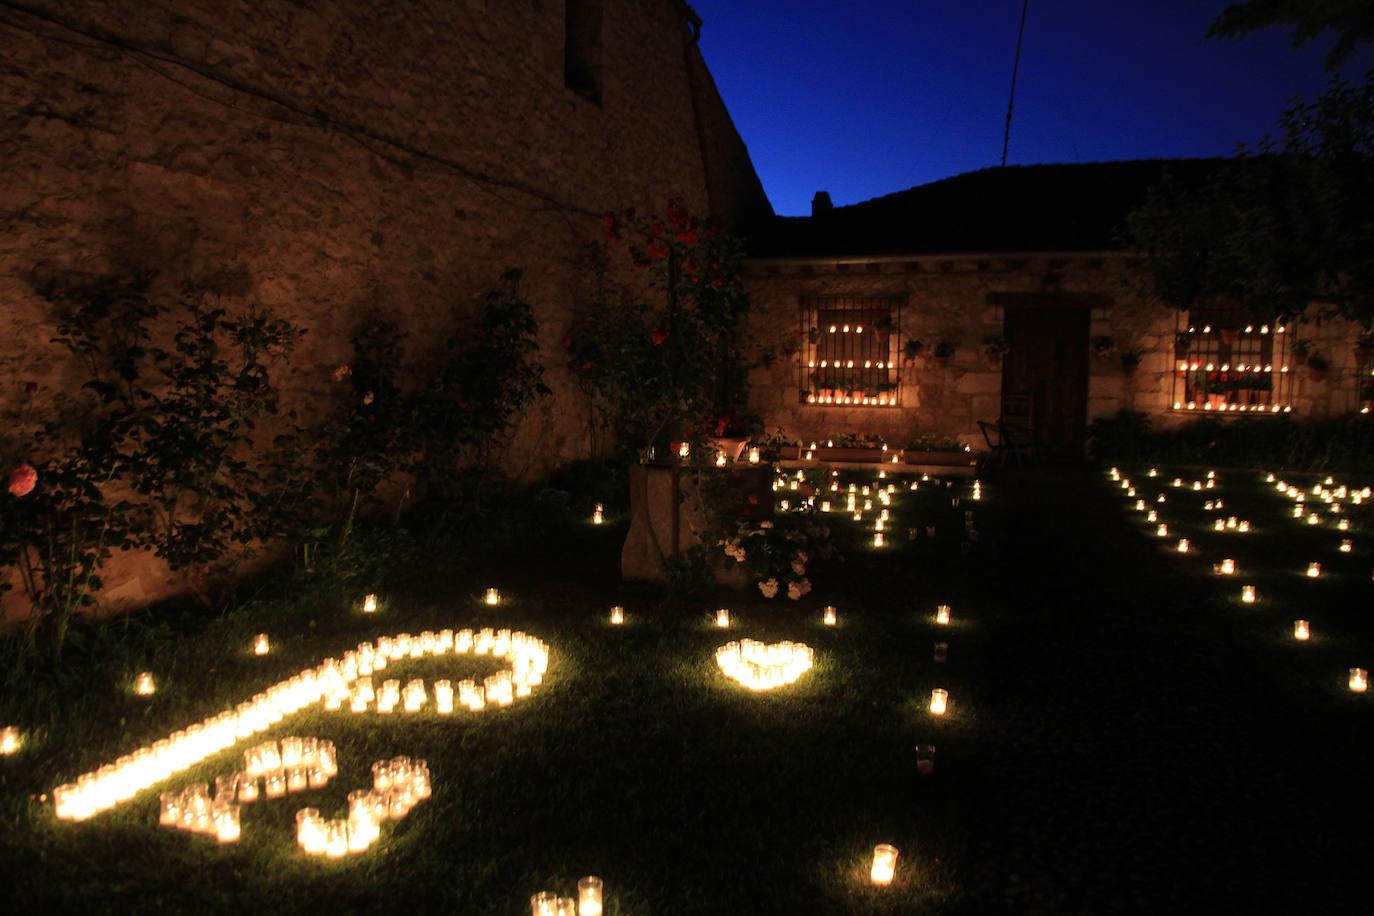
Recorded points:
(851, 355)
(1227, 362)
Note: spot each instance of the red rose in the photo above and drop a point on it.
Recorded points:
(658, 337)
(22, 480)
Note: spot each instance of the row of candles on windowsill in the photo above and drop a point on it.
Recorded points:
(1302, 630)
(109, 785)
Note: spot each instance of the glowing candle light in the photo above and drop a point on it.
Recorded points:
(369, 604)
(248, 789)
(1247, 594)
(1314, 519)
(1301, 630)
(1359, 680)
(1151, 516)
(1243, 527)
(877, 539)
(543, 903)
(617, 615)
(939, 701)
(942, 614)
(884, 864)
(598, 514)
(723, 617)
(720, 459)
(828, 616)
(1162, 531)
(1183, 545)
(10, 741)
(493, 597)
(589, 896)
(227, 825)
(144, 685)
(1226, 567)
(753, 455)
(684, 450)
(1343, 524)
(274, 784)
(261, 645)
(1347, 546)
(1314, 570)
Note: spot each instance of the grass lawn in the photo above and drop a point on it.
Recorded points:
(1124, 735)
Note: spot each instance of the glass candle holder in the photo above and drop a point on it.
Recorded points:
(942, 614)
(1248, 594)
(589, 896)
(144, 685)
(261, 644)
(884, 864)
(493, 597)
(1314, 570)
(10, 741)
(1183, 545)
(1226, 567)
(1359, 680)
(829, 616)
(316, 777)
(939, 701)
(336, 839)
(274, 784)
(617, 615)
(369, 604)
(722, 617)
(443, 697)
(227, 826)
(1347, 546)
(753, 455)
(169, 809)
(542, 904)
(1301, 630)
(248, 789)
(878, 539)
(1162, 531)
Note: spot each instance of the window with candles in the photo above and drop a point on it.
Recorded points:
(851, 355)
(1225, 361)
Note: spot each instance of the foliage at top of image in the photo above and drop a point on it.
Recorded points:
(1352, 21)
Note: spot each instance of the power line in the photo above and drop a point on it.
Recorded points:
(1015, 67)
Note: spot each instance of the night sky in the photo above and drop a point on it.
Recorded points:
(866, 97)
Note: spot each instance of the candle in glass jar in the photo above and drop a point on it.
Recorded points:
(589, 896)
(1301, 630)
(369, 604)
(248, 789)
(617, 615)
(1226, 567)
(884, 864)
(443, 697)
(261, 645)
(542, 903)
(274, 784)
(1359, 680)
(877, 539)
(1314, 570)
(598, 515)
(227, 826)
(942, 614)
(1347, 546)
(939, 701)
(144, 685)
(296, 779)
(493, 596)
(753, 455)
(1183, 545)
(829, 617)
(1247, 594)
(1162, 531)
(722, 617)
(9, 740)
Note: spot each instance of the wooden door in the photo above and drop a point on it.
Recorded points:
(1045, 378)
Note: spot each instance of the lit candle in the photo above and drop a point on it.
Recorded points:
(1183, 545)
(942, 614)
(274, 784)
(877, 539)
(589, 896)
(1162, 531)
(227, 827)
(939, 701)
(884, 864)
(9, 740)
(1226, 567)
(1301, 630)
(828, 616)
(1314, 570)
(144, 685)
(753, 455)
(1343, 524)
(617, 615)
(543, 903)
(493, 597)
(722, 617)
(261, 645)
(1359, 680)
(1247, 594)
(369, 604)
(248, 789)
(1347, 546)
(598, 514)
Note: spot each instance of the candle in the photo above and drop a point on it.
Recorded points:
(1226, 567)
(617, 615)
(942, 614)
(443, 697)
(9, 740)
(877, 539)
(1247, 594)
(939, 701)
(274, 784)
(542, 903)
(1343, 524)
(884, 864)
(1151, 516)
(144, 685)
(227, 827)
(1183, 545)
(589, 896)
(1347, 546)
(369, 604)
(1162, 531)
(828, 616)
(336, 839)
(261, 646)
(248, 789)
(598, 514)
(722, 617)
(493, 596)
(1301, 630)
(1359, 680)
(1314, 570)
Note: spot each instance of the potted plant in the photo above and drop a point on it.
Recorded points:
(1317, 367)
(1130, 359)
(944, 352)
(994, 348)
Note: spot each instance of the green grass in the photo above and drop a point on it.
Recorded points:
(1123, 736)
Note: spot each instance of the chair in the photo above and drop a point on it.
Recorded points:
(1005, 440)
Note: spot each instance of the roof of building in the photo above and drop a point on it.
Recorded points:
(1027, 208)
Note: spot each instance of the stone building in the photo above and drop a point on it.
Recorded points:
(1006, 293)
(341, 159)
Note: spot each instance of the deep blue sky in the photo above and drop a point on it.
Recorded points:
(866, 97)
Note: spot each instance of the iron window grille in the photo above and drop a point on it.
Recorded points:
(851, 354)
(1226, 362)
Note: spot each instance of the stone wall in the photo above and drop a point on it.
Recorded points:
(953, 298)
(335, 159)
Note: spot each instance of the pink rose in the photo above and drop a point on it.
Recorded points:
(22, 480)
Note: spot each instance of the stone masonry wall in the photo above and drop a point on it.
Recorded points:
(334, 159)
(949, 298)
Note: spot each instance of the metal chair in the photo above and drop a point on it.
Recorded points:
(1005, 441)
